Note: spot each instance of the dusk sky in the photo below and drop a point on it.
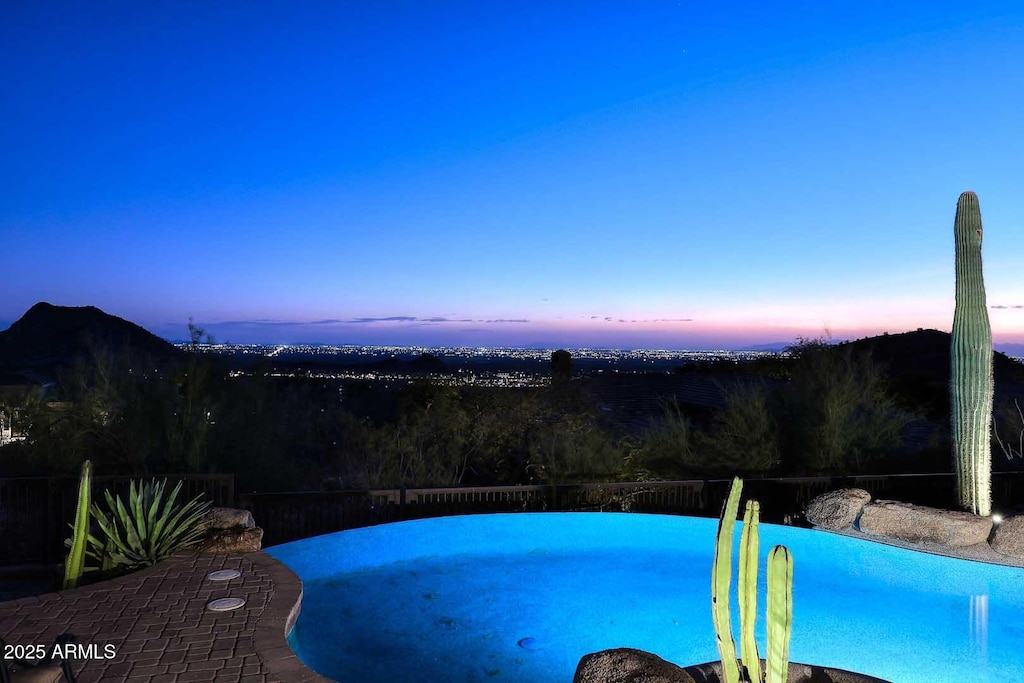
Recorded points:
(670, 175)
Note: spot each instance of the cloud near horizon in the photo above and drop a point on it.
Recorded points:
(609, 318)
(263, 322)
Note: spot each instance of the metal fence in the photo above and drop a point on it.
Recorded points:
(292, 516)
(35, 511)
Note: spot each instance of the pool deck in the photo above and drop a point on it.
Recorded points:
(160, 631)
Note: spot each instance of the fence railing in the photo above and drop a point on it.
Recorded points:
(35, 511)
(292, 516)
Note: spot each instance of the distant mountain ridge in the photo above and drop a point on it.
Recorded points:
(48, 337)
(1011, 349)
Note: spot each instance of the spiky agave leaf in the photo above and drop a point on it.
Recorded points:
(113, 544)
(131, 534)
(161, 518)
(183, 529)
(135, 504)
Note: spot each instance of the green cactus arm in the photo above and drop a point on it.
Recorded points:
(971, 385)
(721, 578)
(75, 562)
(780, 613)
(749, 546)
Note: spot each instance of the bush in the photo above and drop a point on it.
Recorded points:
(148, 529)
(669, 447)
(1010, 421)
(836, 415)
(743, 437)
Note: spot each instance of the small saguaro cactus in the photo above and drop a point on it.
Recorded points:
(74, 565)
(780, 598)
(971, 365)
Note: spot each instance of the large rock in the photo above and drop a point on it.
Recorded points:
(228, 518)
(917, 523)
(237, 540)
(230, 531)
(837, 510)
(1009, 537)
(626, 665)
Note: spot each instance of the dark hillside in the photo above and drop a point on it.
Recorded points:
(48, 337)
(918, 367)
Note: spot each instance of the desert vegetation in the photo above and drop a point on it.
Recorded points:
(830, 410)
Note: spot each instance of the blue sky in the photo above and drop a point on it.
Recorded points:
(650, 174)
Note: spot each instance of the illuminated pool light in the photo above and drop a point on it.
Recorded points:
(522, 597)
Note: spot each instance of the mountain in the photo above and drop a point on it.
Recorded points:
(1011, 349)
(770, 346)
(48, 337)
(927, 352)
(918, 366)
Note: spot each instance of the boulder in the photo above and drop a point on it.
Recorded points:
(238, 540)
(920, 524)
(837, 510)
(1009, 537)
(796, 673)
(626, 665)
(228, 518)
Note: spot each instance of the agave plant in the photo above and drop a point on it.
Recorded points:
(150, 528)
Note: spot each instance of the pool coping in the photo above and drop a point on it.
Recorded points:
(979, 552)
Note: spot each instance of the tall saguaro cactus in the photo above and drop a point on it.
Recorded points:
(971, 363)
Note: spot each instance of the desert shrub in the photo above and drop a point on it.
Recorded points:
(836, 415)
(575, 448)
(670, 445)
(1008, 430)
(431, 442)
(743, 438)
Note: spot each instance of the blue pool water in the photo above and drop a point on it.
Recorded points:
(521, 597)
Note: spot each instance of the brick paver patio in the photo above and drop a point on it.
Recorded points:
(159, 630)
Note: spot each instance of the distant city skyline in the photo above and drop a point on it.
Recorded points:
(660, 175)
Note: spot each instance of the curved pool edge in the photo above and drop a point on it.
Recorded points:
(882, 562)
(981, 552)
(270, 637)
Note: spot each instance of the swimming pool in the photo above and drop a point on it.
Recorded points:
(521, 597)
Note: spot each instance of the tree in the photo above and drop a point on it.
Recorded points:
(197, 336)
(561, 365)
